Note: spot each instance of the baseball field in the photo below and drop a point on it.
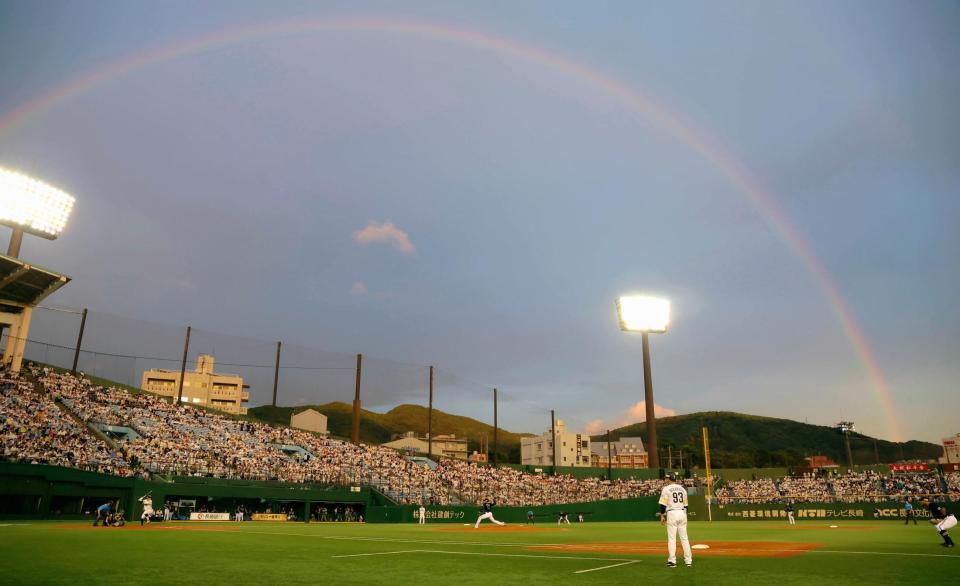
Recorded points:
(861, 552)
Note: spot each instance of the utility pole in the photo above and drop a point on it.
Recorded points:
(183, 365)
(706, 461)
(276, 375)
(430, 419)
(553, 440)
(495, 444)
(76, 352)
(849, 452)
(355, 427)
(609, 458)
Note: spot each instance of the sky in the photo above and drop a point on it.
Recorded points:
(471, 185)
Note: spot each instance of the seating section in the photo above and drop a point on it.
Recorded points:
(39, 415)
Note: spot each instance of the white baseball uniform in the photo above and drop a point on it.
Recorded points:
(673, 498)
(147, 508)
(486, 513)
(949, 522)
(423, 515)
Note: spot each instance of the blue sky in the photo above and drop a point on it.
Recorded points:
(432, 202)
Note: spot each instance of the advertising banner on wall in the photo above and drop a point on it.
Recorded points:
(268, 517)
(209, 516)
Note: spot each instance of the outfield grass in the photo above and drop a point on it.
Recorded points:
(862, 552)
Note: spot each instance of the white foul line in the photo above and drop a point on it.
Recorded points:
(605, 567)
(358, 555)
(502, 555)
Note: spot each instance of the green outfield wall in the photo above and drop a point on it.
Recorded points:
(50, 492)
(638, 509)
(803, 512)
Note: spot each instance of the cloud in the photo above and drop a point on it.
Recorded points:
(636, 413)
(594, 427)
(358, 288)
(386, 232)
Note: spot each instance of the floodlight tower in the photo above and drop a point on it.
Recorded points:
(647, 315)
(27, 205)
(30, 205)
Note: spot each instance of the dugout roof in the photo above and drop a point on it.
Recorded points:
(25, 285)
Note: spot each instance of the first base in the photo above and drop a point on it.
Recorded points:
(700, 546)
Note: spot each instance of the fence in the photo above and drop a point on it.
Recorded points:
(111, 349)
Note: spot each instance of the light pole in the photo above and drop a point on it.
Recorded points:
(647, 315)
(31, 206)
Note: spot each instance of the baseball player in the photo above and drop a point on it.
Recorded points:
(789, 510)
(486, 512)
(147, 501)
(530, 520)
(562, 517)
(942, 518)
(673, 514)
(423, 515)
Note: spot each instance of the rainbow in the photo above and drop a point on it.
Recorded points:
(695, 139)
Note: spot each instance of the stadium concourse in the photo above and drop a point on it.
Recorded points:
(48, 417)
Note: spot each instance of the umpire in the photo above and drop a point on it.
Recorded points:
(908, 512)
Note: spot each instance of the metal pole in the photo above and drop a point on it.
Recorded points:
(355, 427)
(553, 440)
(495, 445)
(609, 458)
(76, 352)
(16, 238)
(276, 375)
(648, 399)
(706, 461)
(183, 365)
(849, 452)
(670, 456)
(430, 419)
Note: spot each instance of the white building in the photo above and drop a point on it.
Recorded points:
(446, 446)
(203, 386)
(309, 420)
(573, 449)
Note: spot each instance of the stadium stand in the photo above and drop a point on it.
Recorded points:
(43, 412)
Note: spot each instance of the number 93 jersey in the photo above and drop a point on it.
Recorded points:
(673, 497)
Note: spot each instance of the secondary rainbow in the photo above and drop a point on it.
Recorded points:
(698, 140)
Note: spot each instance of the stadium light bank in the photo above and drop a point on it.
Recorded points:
(30, 205)
(647, 315)
(27, 205)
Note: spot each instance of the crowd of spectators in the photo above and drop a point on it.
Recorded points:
(508, 486)
(807, 487)
(157, 437)
(854, 486)
(953, 484)
(904, 485)
(34, 430)
(763, 490)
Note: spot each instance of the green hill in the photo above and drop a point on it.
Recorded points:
(377, 428)
(751, 441)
